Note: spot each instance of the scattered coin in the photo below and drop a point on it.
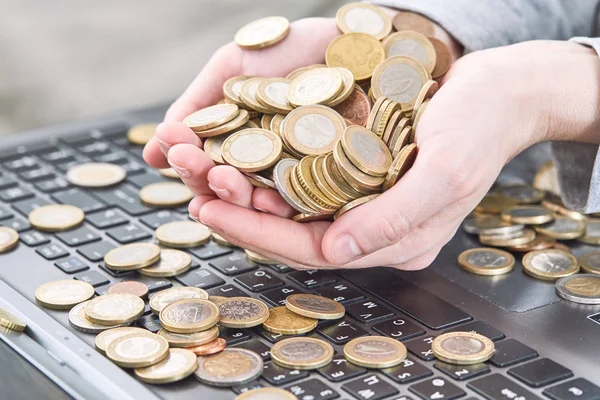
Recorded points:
(530, 215)
(375, 352)
(63, 294)
(494, 203)
(489, 224)
(170, 172)
(314, 306)
(262, 33)
(486, 261)
(141, 134)
(315, 86)
(282, 320)
(540, 242)
(10, 321)
(213, 347)
(96, 175)
(189, 316)
(135, 288)
(550, 264)
(523, 194)
(400, 166)
(590, 262)
(409, 21)
(358, 52)
(189, 340)
(242, 312)
(365, 18)
(302, 353)
(252, 150)
(305, 186)
(462, 348)
(132, 256)
(259, 258)
(78, 320)
(592, 232)
(412, 44)
(313, 130)
(179, 364)
(347, 87)
(165, 194)
(211, 117)
(509, 239)
(56, 217)
(562, 228)
(9, 238)
(579, 288)
(182, 234)
(366, 151)
(232, 366)
(443, 58)
(263, 393)
(165, 297)
(171, 263)
(399, 78)
(106, 337)
(114, 309)
(137, 350)
(354, 204)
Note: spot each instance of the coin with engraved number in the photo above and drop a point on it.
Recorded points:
(266, 393)
(313, 130)
(523, 194)
(132, 256)
(412, 44)
(189, 316)
(106, 337)
(530, 215)
(590, 262)
(252, 150)
(165, 194)
(509, 239)
(96, 175)
(10, 321)
(135, 288)
(315, 86)
(114, 309)
(399, 78)
(562, 228)
(165, 297)
(242, 312)
(211, 116)
(462, 348)
(182, 234)
(232, 366)
(365, 18)
(375, 352)
(281, 176)
(494, 203)
(366, 151)
(592, 232)
(314, 306)
(213, 347)
(549, 264)
(56, 217)
(302, 353)
(282, 320)
(9, 238)
(179, 364)
(171, 263)
(261, 33)
(579, 288)
(485, 261)
(356, 51)
(489, 224)
(142, 133)
(137, 350)
(78, 320)
(188, 340)
(63, 294)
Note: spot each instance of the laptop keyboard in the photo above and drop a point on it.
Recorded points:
(33, 175)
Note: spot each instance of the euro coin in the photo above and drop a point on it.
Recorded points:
(366, 151)
(242, 312)
(142, 133)
(383, 116)
(214, 347)
(394, 122)
(347, 87)
(165, 194)
(56, 217)
(400, 166)
(409, 21)
(312, 217)
(336, 181)
(379, 105)
(238, 122)
(309, 190)
(216, 299)
(178, 365)
(355, 109)
(494, 203)
(540, 242)
(486, 261)
(317, 171)
(509, 239)
(562, 228)
(592, 232)
(165, 297)
(365, 18)
(282, 320)
(315, 86)
(375, 352)
(443, 58)
(211, 117)
(232, 366)
(106, 337)
(78, 320)
(189, 340)
(313, 130)
(265, 120)
(266, 393)
(417, 115)
(137, 350)
(358, 52)
(9, 238)
(248, 95)
(353, 204)
(554, 203)
(272, 92)
(114, 309)
(529, 215)
(590, 262)
(259, 258)
(399, 78)
(135, 288)
(462, 348)
(489, 224)
(427, 91)
(182, 234)
(252, 150)
(63, 294)
(302, 353)
(189, 316)
(96, 175)
(550, 264)
(171, 263)
(10, 321)
(357, 179)
(213, 145)
(169, 172)
(281, 175)
(412, 44)
(275, 124)
(314, 306)
(132, 256)
(258, 180)
(232, 89)
(579, 288)
(263, 32)
(221, 240)
(522, 194)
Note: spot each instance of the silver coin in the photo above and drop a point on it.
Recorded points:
(284, 187)
(490, 225)
(579, 288)
(169, 296)
(489, 259)
(317, 304)
(462, 345)
(79, 321)
(261, 179)
(230, 367)
(403, 90)
(551, 262)
(524, 194)
(239, 310)
(277, 92)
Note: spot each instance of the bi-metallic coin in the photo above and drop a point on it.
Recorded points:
(375, 352)
(232, 366)
(462, 348)
(242, 312)
(550, 264)
(302, 353)
(486, 261)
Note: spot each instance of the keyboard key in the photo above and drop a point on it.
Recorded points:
(154, 284)
(312, 389)
(510, 352)
(94, 278)
(27, 206)
(147, 178)
(339, 369)
(576, 389)
(71, 265)
(272, 337)
(341, 332)
(78, 236)
(158, 218)
(210, 251)
(233, 264)
(128, 233)
(95, 148)
(462, 372)
(399, 328)
(371, 387)
(276, 297)
(126, 198)
(259, 348)
(78, 160)
(6, 182)
(33, 238)
(150, 322)
(95, 251)
(233, 336)
(312, 278)
(481, 328)
(421, 347)
(36, 175)
(342, 293)
(227, 291)
(5, 213)
(238, 389)
(278, 376)
(279, 268)
(200, 278)
(15, 194)
(117, 274)
(58, 156)
(408, 371)
(499, 387)
(107, 218)
(51, 251)
(368, 311)
(258, 281)
(437, 388)
(540, 373)
(79, 198)
(102, 290)
(17, 223)
(20, 164)
(52, 185)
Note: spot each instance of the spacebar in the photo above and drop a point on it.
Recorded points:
(418, 303)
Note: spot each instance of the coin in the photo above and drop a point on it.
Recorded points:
(170, 172)
(562, 228)
(315, 86)
(383, 116)
(171, 263)
(216, 299)
(165, 194)
(135, 288)
(313, 130)
(78, 320)
(189, 316)
(590, 262)
(523, 194)
(317, 171)
(136, 350)
(221, 240)
(428, 90)
(354, 204)
(314, 306)
(412, 44)
(232, 89)
(238, 122)
(142, 133)
(272, 92)
(189, 340)
(409, 21)
(540, 242)
(165, 297)
(355, 109)
(178, 365)
(275, 124)
(554, 203)
(213, 145)
(96, 175)
(347, 87)
(494, 203)
(312, 217)
(357, 179)
(211, 117)
(486, 261)
(443, 58)
(336, 181)
(103, 339)
(358, 52)
(550, 264)
(400, 166)
(365, 18)
(302, 353)
(579, 288)
(252, 150)
(375, 352)
(213, 347)
(462, 348)
(309, 190)
(281, 175)
(56, 217)
(530, 215)
(63, 294)
(366, 151)
(242, 312)
(282, 320)
(114, 309)
(248, 95)
(261, 33)
(232, 366)
(9, 238)
(592, 232)
(8, 320)
(393, 126)
(182, 234)
(400, 79)
(263, 393)
(509, 239)
(132, 256)
(489, 224)
(259, 258)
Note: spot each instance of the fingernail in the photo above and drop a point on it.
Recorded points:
(164, 147)
(182, 172)
(194, 218)
(345, 249)
(260, 209)
(220, 192)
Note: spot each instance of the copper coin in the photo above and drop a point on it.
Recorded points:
(129, 287)
(213, 347)
(409, 21)
(355, 109)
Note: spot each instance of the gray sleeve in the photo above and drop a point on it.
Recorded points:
(481, 24)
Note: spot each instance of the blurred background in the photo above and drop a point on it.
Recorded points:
(71, 59)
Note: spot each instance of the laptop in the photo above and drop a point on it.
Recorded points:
(545, 347)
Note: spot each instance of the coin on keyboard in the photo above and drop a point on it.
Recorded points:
(171, 263)
(9, 238)
(106, 337)
(529, 215)
(262, 393)
(509, 239)
(189, 340)
(189, 316)
(549, 264)
(214, 347)
(96, 175)
(211, 116)
(302, 353)
(403, 69)
(135, 288)
(366, 151)
(252, 150)
(281, 175)
(132, 256)
(142, 133)
(179, 364)
(56, 217)
(242, 312)
(10, 321)
(579, 288)
(365, 18)
(63, 294)
(221, 240)
(169, 173)
(136, 350)
(182, 234)
(592, 232)
(313, 130)
(562, 228)
(358, 52)
(165, 194)
(489, 224)
(78, 320)
(486, 261)
(314, 306)
(315, 86)
(353, 204)
(412, 44)
(259, 258)
(261, 33)
(114, 309)
(232, 366)
(400, 166)
(375, 352)
(282, 320)
(216, 299)
(168, 296)
(462, 348)
(590, 262)
(523, 194)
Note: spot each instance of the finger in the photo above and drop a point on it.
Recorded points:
(196, 204)
(270, 201)
(192, 165)
(231, 185)
(167, 135)
(423, 261)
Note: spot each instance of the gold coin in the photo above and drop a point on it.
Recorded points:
(63, 294)
(302, 353)
(394, 122)
(427, 91)
(165, 297)
(409, 21)
(171, 263)
(590, 262)
(314, 306)
(182, 234)
(462, 348)
(114, 309)
(416, 118)
(375, 352)
(78, 320)
(259, 180)
(211, 117)
(494, 203)
(282, 177)
(56, 217)
(105, 338)
(178, 365)
(358, 52)
(443, 58)
(189, 316)
(238, 122)
(232, 89)
(276, 123)
(190, 339)
(11, 322)
(337, 182)
(9, 238)
(383, 117)
(272, 93)
(248, 95)
(165, 194)
(141, 134)
(317, 167)
(366, 151)
(313, 130)
(259, 259)
(309, 198)
(304, 174)
(529, 215)
(549, 264)
(562, 228)
(170, 172)
(540, 242)
(399, 78)
(378, 105)
(266, 393)
(353, 204)
(315, 86)
(347, 89)
(282, 320)
(401, 140)
(242, 312)
(365, 18)
(411, 44)
(509, 239)
(252, 150)
(592, 232)
(213, 145)
(522, 194)
(262, 33)
(486, 261)
(357, 179)
(312, 217)
(400, 166)
(136, 350)
(232, 366)
(132, 256)
(96, 175)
